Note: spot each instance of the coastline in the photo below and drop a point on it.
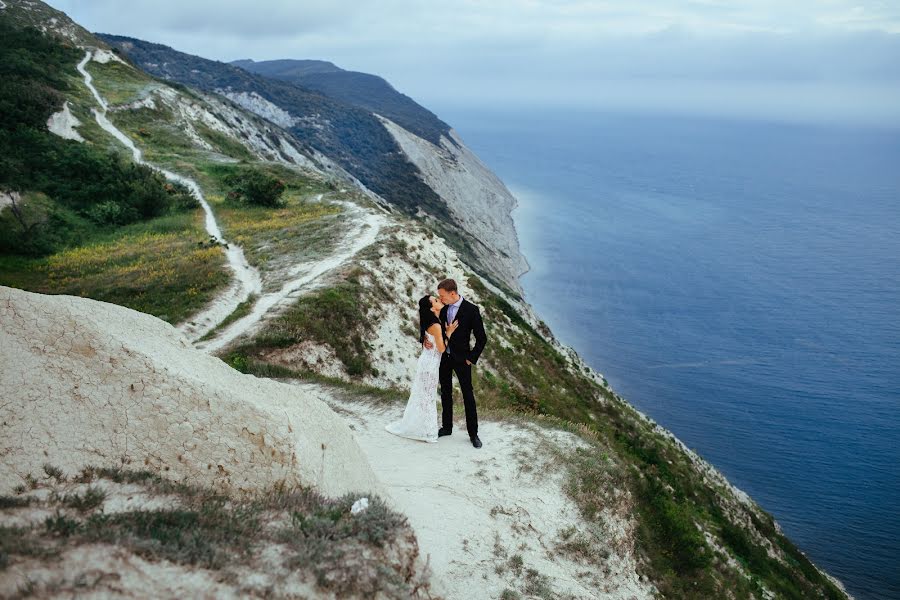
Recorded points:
(708, 469)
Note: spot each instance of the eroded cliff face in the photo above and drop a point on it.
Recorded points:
(87, 383)
(477, 199)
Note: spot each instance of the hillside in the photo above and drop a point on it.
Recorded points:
(441, 182)
(351, 137)
(366, 91)
(575, 493)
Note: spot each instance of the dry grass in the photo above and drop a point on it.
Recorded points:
(118, 83)
(164, 267)
(371, 553)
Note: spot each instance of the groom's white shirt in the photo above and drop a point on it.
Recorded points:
(453, 309)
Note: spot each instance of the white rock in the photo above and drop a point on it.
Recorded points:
(476, 197)
(86, 382)
(262, 107)
(63, 124)
(103, 56)
(359, 506)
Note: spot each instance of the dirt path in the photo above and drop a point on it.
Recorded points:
(485, 517)
(246, 279)
(304, 276)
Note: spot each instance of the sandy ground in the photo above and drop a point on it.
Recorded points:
(474, 510)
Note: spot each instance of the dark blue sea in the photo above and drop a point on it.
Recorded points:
(739, 282)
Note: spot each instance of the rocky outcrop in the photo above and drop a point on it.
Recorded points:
(476, 197)
(90, 383)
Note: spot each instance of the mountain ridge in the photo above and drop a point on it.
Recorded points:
(367, 91)
(350, 136)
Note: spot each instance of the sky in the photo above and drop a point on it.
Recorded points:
(819, 60)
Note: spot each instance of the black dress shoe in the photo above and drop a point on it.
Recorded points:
(442, 432)
(475, 441)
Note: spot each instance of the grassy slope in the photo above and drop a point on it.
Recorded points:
(161, 267)
(528, 378)
(158, 265)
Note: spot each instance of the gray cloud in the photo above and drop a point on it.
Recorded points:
(807, 57)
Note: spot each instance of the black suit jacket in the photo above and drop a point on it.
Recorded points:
(470, 323)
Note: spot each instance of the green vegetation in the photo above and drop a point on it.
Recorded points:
(670, 498)
(83, 220)
(343, 554)
(299, 229)
(334, 316)
(255, 187)
(224, 143)
(120, 83)
(163, 267)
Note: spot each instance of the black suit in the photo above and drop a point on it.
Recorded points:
(458, 351)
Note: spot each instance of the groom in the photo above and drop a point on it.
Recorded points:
(459, 357)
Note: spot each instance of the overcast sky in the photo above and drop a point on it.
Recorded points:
(802, 59)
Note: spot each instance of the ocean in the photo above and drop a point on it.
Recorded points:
(739, 282)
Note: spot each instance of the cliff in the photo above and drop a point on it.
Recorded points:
(575, 493)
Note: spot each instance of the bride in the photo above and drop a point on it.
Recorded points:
(419, 420)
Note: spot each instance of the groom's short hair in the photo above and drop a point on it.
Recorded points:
(448, 284)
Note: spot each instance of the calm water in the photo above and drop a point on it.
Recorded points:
(740, 283)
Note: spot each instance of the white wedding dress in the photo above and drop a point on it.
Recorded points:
(419, 420)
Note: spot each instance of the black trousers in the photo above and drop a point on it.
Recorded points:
(464, 376)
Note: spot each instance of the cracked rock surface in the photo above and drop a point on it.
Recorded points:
(86, 382)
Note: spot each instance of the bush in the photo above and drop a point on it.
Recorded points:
(253, 186)
(83, 187)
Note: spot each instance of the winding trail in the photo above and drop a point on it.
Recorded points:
(304, 276)
(246, 278)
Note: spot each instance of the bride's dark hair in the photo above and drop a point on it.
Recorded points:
(426, 317)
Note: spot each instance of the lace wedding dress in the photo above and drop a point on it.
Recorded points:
(419, 420)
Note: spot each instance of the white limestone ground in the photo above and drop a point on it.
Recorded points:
(113, 572)
(476, 197)
(63, 124)
(103, 56)
(94, 383)
(475, 511)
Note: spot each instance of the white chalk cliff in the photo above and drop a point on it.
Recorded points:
(91, 383)
(476, 197)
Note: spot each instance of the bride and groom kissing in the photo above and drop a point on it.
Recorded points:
(447, 323)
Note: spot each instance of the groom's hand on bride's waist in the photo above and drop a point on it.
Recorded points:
(428, 344)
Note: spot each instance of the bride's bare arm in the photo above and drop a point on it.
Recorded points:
(435, 330)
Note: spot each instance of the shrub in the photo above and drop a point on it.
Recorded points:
(254, 186)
